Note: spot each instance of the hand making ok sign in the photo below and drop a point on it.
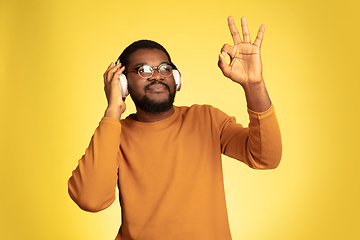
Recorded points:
(245, 65)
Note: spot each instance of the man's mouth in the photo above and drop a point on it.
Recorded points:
(157, 86)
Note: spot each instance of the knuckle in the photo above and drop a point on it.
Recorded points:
(234, 33)
(226, 46)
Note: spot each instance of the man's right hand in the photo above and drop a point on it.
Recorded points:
(116, 105)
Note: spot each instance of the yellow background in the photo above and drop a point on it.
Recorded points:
(53, 55)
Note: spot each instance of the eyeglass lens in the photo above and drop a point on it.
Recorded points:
(147, 71)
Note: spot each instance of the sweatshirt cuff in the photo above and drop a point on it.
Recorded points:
(261, 115)
(112, 121)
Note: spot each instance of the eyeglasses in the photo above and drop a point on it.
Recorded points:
(146, 70)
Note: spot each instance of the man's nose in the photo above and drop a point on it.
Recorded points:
(156, 76)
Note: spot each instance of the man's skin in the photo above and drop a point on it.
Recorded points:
(245, 68)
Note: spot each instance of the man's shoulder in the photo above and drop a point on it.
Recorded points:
(198, 108)
(201, 111)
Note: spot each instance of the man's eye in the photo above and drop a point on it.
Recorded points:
(166, 68)
(145, 68)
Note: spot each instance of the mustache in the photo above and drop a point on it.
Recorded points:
(147, 87)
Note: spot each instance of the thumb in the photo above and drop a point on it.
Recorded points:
(224, 67)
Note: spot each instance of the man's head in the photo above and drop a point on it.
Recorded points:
(154, 94)
(141, 44)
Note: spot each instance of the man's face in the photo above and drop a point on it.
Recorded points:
(154, 94)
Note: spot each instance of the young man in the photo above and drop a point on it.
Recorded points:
(166, 160)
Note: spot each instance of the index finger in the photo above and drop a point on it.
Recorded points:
(109, 74)
(233, 30)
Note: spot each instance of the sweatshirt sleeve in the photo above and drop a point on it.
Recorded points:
(259, 146)
(93, 182)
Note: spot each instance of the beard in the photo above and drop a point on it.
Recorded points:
(152, 106)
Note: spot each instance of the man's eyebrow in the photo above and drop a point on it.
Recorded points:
(140, 64)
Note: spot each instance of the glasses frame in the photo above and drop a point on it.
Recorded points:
(153, 69)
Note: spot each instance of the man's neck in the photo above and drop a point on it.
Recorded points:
(143, 116)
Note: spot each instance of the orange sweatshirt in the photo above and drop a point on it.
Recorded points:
(169, 172)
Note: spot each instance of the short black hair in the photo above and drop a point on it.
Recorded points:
(124, 58)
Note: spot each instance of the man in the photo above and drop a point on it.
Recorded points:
(166, 160)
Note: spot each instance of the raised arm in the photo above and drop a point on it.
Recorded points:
(92, 184)
(245, 65)
(263, 147)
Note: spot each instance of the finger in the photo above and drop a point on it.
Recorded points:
(260, 36)
(227, 49)
(106, 72)
(233, 30)
(222, 62)
(108, 69)
(245, 30)
(118, 72)
(116, 76)
(224, 67)
(111, 72)
(116, 79)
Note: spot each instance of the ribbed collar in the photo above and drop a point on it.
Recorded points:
(153, 125)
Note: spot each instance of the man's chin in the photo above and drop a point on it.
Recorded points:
(157, 105)
(153, 102)
(157, 98)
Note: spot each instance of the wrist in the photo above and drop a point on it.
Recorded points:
(257, 97)
(114, 112)
(253, 85)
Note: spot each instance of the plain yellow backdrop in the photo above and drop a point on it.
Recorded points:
(53, 55)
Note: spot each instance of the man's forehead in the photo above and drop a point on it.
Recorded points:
(147, 56)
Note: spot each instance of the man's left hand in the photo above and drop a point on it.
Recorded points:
(245, 65)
